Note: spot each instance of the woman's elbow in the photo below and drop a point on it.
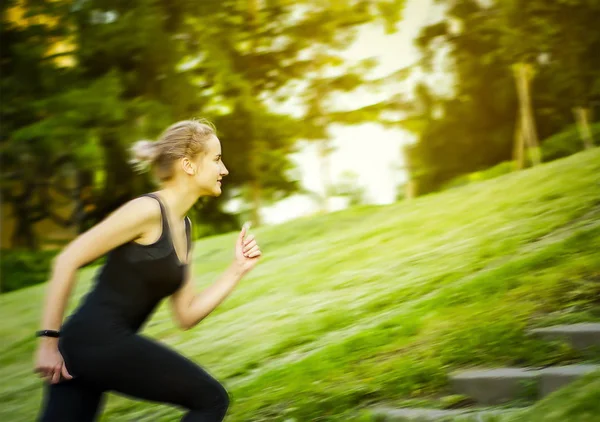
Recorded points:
(64, 262)
(183, 323)
(60, 261)
(185, 326)
(188, 324)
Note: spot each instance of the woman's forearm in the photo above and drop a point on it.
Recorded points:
(57, 294)
(205, 302)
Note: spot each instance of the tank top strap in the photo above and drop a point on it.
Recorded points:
(163, 211)
(188, 234)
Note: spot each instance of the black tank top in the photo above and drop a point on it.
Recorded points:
(130, 285)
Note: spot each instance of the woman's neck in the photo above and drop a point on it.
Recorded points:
(178, 198)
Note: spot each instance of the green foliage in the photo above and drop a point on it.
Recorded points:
(349, 186)
(455, 401)
(23, 268)
(528, 391)
(556, 146)
(567, 142)
(490, 173)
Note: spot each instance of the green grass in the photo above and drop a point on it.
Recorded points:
(373, 304)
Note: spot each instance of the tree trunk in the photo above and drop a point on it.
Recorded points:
(582, 119)
(23, 202)
(324, 158)
(523, 73)
(24, 235)
(411, 189)
(519, 148)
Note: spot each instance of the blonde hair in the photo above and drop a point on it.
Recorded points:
(186, 138)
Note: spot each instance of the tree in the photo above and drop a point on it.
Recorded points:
(264, 52)
(573, 54)
(32, 73)
(130, 69)
(123, 82)
(495, 48)
(348, 186)
(467, 130)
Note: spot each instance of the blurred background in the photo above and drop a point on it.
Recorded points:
(335, 116)
(319, 105)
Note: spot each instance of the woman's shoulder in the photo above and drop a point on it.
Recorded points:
(140, 210)
(144, 206)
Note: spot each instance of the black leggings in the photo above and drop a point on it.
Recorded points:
(137, 367)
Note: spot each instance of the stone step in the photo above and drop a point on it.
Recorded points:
(554, 378)
(493, 386)
(498, 386)
(384, 414)
(579, 336)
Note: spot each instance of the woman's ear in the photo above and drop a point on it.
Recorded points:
(188, 166)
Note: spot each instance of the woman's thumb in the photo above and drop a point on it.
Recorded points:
(243, 232)
(65, 373)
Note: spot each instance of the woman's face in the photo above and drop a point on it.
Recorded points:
(210, 168)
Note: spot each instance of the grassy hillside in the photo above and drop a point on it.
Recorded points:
(373, 304)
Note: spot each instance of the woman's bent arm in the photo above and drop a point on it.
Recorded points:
(190, 308)
(127, 223)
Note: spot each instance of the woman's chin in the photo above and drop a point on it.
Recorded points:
(212, 192)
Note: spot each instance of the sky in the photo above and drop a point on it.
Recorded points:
(372, 152)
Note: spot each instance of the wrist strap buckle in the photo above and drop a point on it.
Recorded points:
(47, 333)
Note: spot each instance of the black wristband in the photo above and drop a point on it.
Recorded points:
(47, 333)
